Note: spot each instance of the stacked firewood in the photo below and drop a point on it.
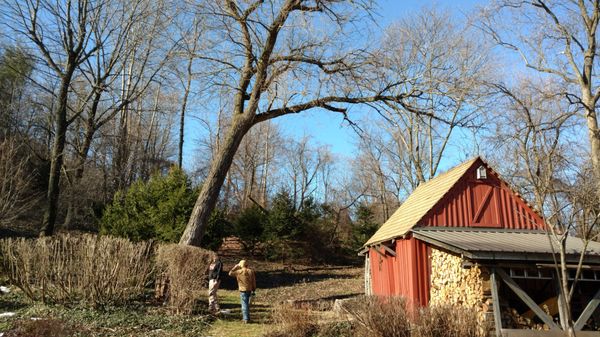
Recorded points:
(513, 320)
(453, 284)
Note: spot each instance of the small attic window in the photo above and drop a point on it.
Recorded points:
(481, 173)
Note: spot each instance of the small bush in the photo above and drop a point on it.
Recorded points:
(156, 209)
(336, 329)
(186, 269)
(380, 316)
(96, 270)
(41, 328)
(249, 227)
(449, 321)
(293, 322)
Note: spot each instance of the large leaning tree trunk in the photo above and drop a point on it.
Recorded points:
(288, 56)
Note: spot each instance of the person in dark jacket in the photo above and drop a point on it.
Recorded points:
(214, 280)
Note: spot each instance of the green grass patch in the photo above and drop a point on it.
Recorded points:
(136, 319)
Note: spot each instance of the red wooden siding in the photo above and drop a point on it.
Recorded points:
(406, 274)
(482, 203)
(471, 202)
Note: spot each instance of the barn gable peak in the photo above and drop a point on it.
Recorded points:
(469, 195)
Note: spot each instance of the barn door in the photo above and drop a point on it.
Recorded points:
(485, 210)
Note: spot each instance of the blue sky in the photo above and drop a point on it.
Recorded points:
(327, 128)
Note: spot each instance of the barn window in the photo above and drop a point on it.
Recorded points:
(481, 172)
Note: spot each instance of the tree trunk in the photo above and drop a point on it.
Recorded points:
(593, 133)
(594, 136)
(57, 156)
(90, 130)
(186, 94)
(216, 176)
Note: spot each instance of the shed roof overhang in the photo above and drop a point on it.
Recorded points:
(491, 245)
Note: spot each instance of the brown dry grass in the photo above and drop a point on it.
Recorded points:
(303, 283)
(186, 269)
(380, 317)
(391, 317)
(294, 322)
(89, 269)
(42, 328)
(449, 321)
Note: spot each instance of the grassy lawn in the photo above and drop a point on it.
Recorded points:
(226, 325)
(277, 284)
(135, 319)
(318, 285)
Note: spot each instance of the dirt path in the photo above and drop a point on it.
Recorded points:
(278, 284)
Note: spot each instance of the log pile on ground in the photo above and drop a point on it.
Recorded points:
(511, 319)
(453, 284)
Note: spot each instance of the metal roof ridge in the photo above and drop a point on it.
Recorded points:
(476, 230)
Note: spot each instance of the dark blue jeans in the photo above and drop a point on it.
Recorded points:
(245, 299)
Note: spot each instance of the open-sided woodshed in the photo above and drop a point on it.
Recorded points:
(467, 238)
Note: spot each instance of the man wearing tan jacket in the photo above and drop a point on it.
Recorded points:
(246, 280)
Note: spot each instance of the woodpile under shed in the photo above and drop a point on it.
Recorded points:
(452, 283)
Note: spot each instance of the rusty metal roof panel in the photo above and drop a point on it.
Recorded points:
(496, 243)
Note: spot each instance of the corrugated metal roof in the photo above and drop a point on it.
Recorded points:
(419, 203)
(499, 242)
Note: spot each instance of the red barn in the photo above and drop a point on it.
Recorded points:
(458, 234)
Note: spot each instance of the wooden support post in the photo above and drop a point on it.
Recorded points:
(368, 289)
(587, 312)
(526, 299)
(496, 304)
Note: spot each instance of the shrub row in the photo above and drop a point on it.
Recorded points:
(101, 270)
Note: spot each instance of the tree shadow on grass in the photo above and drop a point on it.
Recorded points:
(10, 302)
(282, 278)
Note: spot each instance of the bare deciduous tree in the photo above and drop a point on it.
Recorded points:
(558, 39)
(448, 63)
(282, 62)
(537, 139)
(62, 33)
(304, 165)
(15, 182)
(124, 29)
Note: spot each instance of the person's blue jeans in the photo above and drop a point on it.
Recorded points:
(245, 299)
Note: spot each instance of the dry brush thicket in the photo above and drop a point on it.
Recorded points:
(182, 270)
(89, 269)
(371, 316)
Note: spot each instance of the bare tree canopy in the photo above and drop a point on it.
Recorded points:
(557, 39)
(278, 58)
